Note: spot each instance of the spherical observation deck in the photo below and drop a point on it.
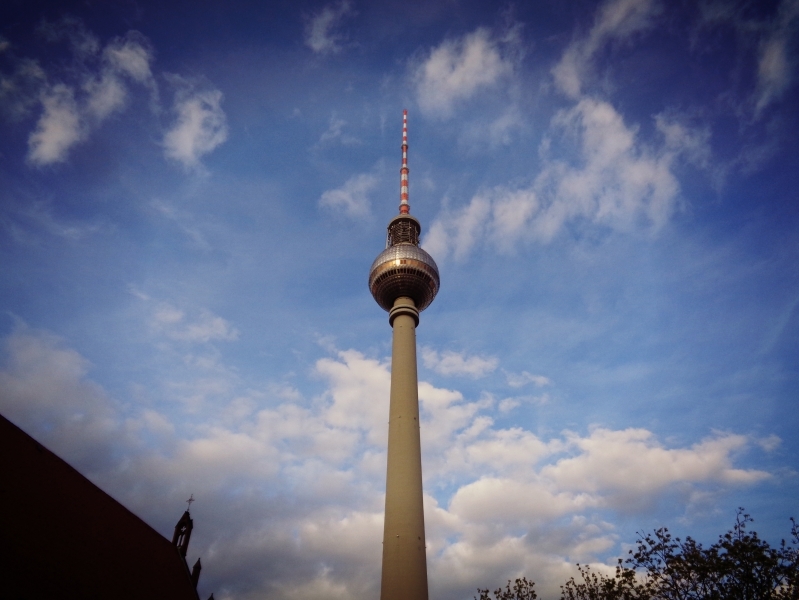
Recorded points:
(403, 268)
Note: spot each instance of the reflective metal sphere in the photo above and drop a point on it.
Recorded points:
(404, 270)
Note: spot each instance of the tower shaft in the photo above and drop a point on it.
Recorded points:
(404, 555)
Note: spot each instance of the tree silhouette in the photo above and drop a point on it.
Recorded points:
(522, 590)
(739, 566)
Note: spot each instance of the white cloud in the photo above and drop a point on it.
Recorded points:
(106, 92)
(616, 20)
(509, 501)
(620, 181)
(631, 467)
(83, 43)
(41, 215)
(769, 443)
(457, 232)
(58, 129)
(72, 112)
(504, 451)
(774, 62)
(321, 30)
(105, 95)
(132, 56)
(21, 91)
(443, 413)
(524, 487)
(617, 182)
(335, 131)
(457, 69)
(506, 405)
(456, 363)
(157, 423)
(517, 380)
(184, 220)
(359, 388)
(200, 127)
(44, 387)
(98, 89)
(353, 197)
(223, 457)
(773, 72)
(680, 137)
(775, 66)
(205, 327)
(500, 130)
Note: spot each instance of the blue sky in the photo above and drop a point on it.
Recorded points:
(191, 196)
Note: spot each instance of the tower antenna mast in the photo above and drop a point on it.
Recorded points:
(404, 207)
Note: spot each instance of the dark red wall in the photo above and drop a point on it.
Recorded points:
(63, 537)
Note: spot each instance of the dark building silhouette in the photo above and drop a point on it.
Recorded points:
(63, 537)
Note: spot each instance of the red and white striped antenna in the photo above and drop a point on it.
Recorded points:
(404, 207)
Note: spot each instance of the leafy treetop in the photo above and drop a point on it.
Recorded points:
(739, 566)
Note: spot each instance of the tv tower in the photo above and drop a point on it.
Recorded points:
(404, 280)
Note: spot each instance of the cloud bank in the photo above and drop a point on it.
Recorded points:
(304, 477)
(617, 182)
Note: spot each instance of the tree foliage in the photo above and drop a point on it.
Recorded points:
(522, 590)
(739, 566)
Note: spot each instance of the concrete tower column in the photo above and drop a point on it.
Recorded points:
(404, 555)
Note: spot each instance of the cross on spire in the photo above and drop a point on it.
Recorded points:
(189, 501)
